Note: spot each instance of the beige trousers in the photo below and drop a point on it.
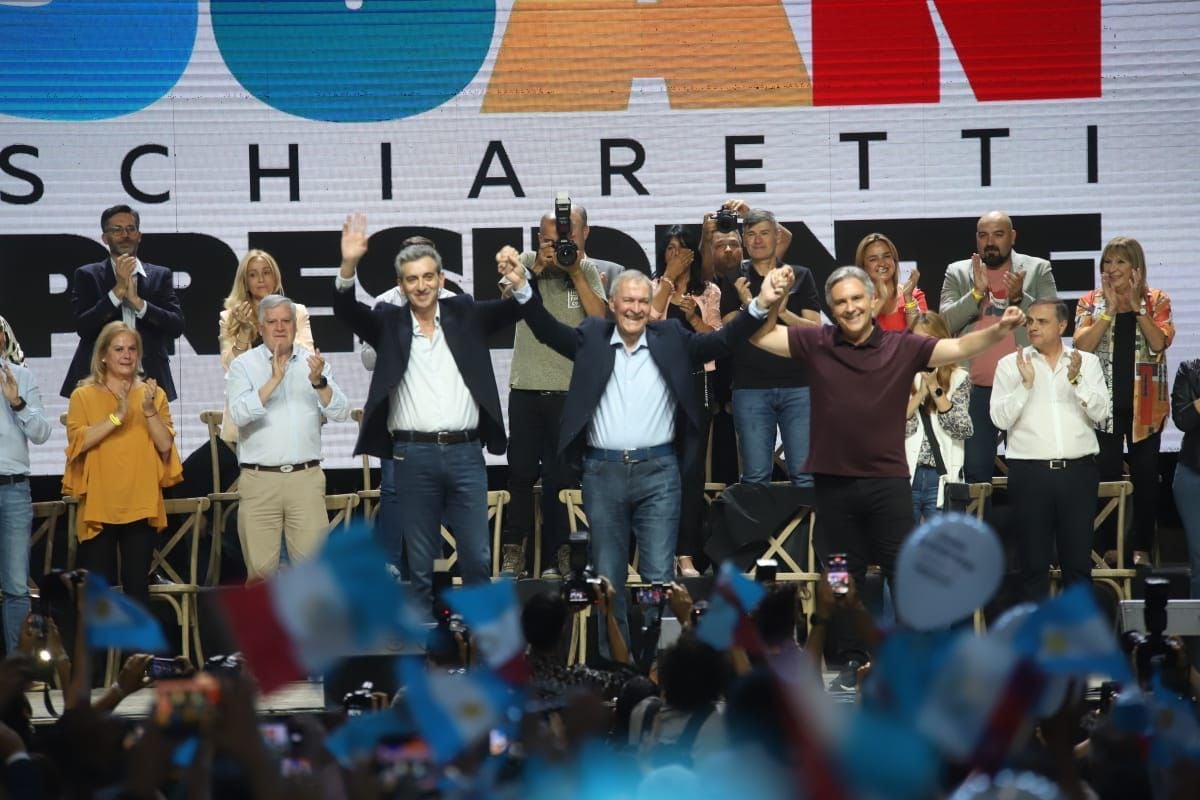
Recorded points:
(277, 506)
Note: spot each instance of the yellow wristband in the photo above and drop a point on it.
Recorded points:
(975, 293)
(1105, 317)
(1073, 381)
(114, 419)
(911, 306)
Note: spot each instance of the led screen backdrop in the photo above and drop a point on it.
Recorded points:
(232, 124)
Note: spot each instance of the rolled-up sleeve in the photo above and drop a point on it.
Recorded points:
(338, 409)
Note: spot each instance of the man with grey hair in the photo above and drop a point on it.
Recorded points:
(431, 404)
(538, 381)
(278, 394)
(769, 393)
(861, 379)
(632, 405)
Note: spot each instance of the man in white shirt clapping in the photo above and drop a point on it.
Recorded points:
(278, 394)
(1050, 398)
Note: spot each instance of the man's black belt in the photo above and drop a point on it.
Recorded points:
(8, 480)
(282, 467)
(541, 392)
(1054, 463)
(633, 456)
(436, 437)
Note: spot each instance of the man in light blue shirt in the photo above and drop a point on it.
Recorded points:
(21, 422)
(634, 404)
(279, 393)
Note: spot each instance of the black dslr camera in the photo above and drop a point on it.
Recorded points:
(582, 587)
(565, 250)
(727, 221)
(1154, 652)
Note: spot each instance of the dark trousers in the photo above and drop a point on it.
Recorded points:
(691, 474)
(533, 423)
(865, 518)
(979, 451)
(135, 543)
(724, 447)
(1053, 510)
(1143, 471)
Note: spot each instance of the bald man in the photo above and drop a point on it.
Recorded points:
(974, 295)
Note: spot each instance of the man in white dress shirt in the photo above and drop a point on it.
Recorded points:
(432, 404)
(278, 393)
(1050, 398)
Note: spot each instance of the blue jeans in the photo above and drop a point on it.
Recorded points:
(387, 523)
(641, 499)
(442, 482)
(925, 492)
(1187, 500)
(16, 524)
(756, 415)
(979, 451)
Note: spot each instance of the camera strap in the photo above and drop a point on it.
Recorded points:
(933, 442)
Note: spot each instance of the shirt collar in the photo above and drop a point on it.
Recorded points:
(616, 339)
(139, 269)
(873, 340)
(268, 355)
(437, 320)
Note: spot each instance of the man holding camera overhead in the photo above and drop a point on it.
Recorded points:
(769, 392)
(570, 288)
(632, 401)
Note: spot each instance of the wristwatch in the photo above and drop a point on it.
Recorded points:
(321, 384)
(19, 405)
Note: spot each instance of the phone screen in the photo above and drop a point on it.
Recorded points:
(837, 575)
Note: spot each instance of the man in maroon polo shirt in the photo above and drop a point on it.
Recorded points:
(860, 378)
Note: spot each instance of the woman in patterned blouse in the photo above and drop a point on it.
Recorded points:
(938, 404)
(1128, 326)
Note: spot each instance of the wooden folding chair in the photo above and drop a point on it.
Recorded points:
(1115, 495)
(45, 525)
(497, 500)
(573, 500)
(224, 498)
(182, 592)
(341, 509)
(369, 498)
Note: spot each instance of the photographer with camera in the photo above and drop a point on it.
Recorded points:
(769, 392)
(631, 403)
(571, 290)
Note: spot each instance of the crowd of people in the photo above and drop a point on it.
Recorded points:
(637, 388)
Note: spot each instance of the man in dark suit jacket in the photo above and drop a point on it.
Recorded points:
(123, 288)
(633, 403)
(432, 399)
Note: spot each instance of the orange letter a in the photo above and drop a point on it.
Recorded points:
(581, 55)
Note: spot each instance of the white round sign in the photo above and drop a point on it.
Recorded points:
(947, 568)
